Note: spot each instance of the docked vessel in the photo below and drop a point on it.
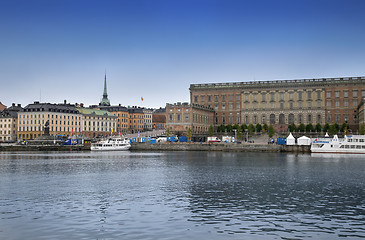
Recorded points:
(111, 144)
(349, 144)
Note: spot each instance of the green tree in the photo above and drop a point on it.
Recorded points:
(236, 126)
(362, 129)
(301, 127)
(229, 128)
(239, 132)
(168, 133)
(265, 127)
(189, 134)
(309, 128)
(292, 127)
(318, 127)
(334, 128)
(211, 130)
(326, 127)
(243, 126)
(271, 131)
(251, 128)
(221, 128)
(258, 127)
(343, 127)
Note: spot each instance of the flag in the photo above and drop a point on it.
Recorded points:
(111, 131)
(142, 98)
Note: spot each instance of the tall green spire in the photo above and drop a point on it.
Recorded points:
(105, 101)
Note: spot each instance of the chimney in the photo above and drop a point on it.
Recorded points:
(65, 102)
(19, 105)
(13, 104)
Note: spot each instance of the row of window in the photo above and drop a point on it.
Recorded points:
(329, 94)
(21, 116)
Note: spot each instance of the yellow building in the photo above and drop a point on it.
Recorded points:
(62, 119)
(9, 123)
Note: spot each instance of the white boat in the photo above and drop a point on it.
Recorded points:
(348, 144)
(111, 144)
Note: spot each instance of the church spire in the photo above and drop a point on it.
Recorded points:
(105, 101)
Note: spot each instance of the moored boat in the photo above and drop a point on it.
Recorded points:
(349, 144)
(111, 144)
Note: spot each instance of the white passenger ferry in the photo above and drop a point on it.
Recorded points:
(349, 144)
(111, 144)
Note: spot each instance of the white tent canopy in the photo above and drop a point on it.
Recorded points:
(290, 140)
(304, 140)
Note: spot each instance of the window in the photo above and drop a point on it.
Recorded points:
(272, 118)
(291, 105)
(345, 93)
(319, 118)
(337, 103)
(318, 94)
(231, 106)
(291, 118)
(318, 104)
(354, 102)
(300, 116)
(237, 106)
(300, 95)
(337, 94)
(186, 117)
(170, 118)
(209, 98)
(195, 99)
(309, 104)
(223, 106)
(346, 103)
(216, 106)
(363, 93)
(281, 119)
(272, 96)
(329, 103)
(309, 95)
(300, 104)
(246, 97)
(263, 119)
(281, 96)
(223, 97)
(231, 97)
(216, 98)
(309, 118)
(255, 96)
(281, 105)
(203, 98)
(264, 97)
(337, 118)
(291, 96)
(354, 93)
(237, 97)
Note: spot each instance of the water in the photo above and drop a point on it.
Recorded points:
(181, 195)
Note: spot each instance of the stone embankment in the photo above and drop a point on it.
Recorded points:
(245, 147)
(16, 148)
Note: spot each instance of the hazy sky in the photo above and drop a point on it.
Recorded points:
(54, 50)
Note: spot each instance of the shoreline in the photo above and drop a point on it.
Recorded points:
(224, 147)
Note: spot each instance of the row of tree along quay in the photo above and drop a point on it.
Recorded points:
(246, 132)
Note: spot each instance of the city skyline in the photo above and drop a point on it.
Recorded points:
(55, 51)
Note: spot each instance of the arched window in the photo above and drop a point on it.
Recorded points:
(291, 118)
(309, 118)
(272, 118)
(263, 119)
(281, 119)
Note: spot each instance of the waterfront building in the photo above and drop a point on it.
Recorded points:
(159, 119)
(182, 116)
(97, 123)
(147, 119)
(283, 102)
(9, 123)
(136, 119)
(361, 112)
(62, 119)
(2, 107)
(122, 115)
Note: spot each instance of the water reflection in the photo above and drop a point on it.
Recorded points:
(179, 195)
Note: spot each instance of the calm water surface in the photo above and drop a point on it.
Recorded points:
(181, 195)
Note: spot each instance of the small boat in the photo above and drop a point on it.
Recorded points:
(349, 144)
(111, 144)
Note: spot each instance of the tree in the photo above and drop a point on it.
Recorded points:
(236, 126)
(333, 129)
(251, 128)
(362, 129)
(229, 128)
(318, 127)
(343, 127)
(271, 131)
(265, 127)
(301, 127)
(221, 128)
(239, 132)
(258, 127)
(168, 133)
(292, 127)
(309, 128)
(189, 134)
(211, 130)
(243, 126)
(326, 127)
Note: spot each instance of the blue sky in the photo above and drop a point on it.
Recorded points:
(56, 50)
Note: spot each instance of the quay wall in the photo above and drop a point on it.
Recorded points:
(227, 147)
(219, 147)
(16, 148)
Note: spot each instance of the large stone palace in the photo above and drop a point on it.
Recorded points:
(282, 102)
